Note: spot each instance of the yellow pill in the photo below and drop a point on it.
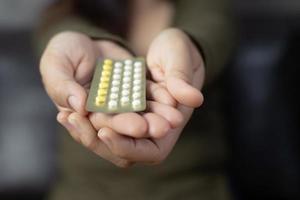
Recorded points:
(100, 99)
(107, 67)
(103, 85)
(102, 92)
(108, 62)
(105, 79)
(99, 104)
(106, 73)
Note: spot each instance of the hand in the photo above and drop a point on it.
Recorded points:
(176, 65)
(175, 62)
(67, 66)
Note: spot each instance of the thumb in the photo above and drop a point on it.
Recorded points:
(179, 81)
(61, 85)
(70, 94)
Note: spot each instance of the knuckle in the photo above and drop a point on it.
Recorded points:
(157, 162)
(89, 143)
(123, 150)
(123, 163)
(120, 152)
(76, 138)
(160, 158)
(98, 120)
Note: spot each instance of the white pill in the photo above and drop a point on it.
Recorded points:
(128, 67)
(114, 95)
(136, 95)
(127, 73)
(137, 82)
(115, 89)
(115, 82)
(138, 64)
(126, 86)
(125, 92)
(117, 71)
(116, 76)
(136, 88)
(136, 104)
(137, 69)
(112, 104)
(118, 64)
(128, 62)
(137, 76)
(124, 101)
(126, 79)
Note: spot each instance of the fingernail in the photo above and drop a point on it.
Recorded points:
(66, 124)
(74, 103)
(102, 135)
(59, 117)
(73, 122)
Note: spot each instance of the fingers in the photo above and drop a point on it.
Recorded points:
(179, 80)
(59, 82)
(134, 150)
(184, 93)
(62, 118)
(155, 123)
(130, 124)
(65, 66)
(174, 59)
(68, 95)
(179, 83)
(172, 115)
(83, 132)
(158, 127)
(159, 94)
(121, 150)
(79, 128)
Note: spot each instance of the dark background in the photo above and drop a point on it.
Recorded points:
(261, 103)
(27, 120)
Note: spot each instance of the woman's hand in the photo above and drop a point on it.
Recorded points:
(67, 66)
(175, 62)
(177, 67)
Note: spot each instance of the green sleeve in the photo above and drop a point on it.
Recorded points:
(209, 23)
(78, 24)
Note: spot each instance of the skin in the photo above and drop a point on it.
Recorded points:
(176, 72)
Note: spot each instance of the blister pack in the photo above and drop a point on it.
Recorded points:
(118, 86)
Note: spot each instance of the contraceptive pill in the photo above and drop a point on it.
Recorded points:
(118, 86)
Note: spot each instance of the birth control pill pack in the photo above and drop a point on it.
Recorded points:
(118, 86)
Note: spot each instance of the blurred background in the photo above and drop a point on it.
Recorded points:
(27, 120)
(261, 102)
